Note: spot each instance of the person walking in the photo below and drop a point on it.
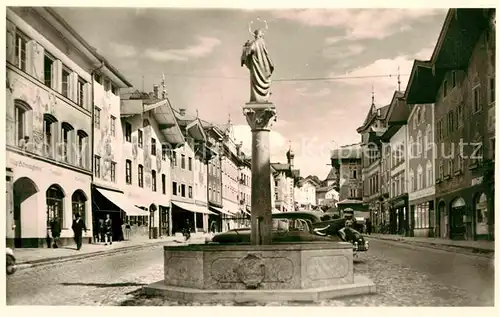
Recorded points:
(55, 229)
(368, 226)
(78, 226)
(127, 230)
(108, 226)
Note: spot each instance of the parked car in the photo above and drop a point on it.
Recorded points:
(10, 261)
(300, 226)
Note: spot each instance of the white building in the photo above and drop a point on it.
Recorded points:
(48, 126)
(305, 194)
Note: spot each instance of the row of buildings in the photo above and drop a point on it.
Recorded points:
(425, 163)
(76, 143)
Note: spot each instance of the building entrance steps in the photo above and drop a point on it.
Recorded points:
(475, 246)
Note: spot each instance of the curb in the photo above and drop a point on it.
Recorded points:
(62, 259)
(477, 250)
(76, 257)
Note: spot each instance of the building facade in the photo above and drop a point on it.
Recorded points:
(147, 157)
(421, 156)
(107, 140)
(305, 195)
(371, 131)
(48, 126)
(395, 145)
(460, 80)
(347, 162)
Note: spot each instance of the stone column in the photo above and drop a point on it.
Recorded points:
(259, 117)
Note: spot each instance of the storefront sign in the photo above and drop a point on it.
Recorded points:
(19, 163)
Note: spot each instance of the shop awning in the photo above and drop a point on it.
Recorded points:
(222, 211)
(122, 202)
(193, 208)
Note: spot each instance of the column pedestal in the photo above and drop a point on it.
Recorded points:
(259, 117)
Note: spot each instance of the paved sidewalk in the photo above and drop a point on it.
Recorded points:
(28, 257)
(476, 246)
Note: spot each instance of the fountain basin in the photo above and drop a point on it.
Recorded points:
(307, 271)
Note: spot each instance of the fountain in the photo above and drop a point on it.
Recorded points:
(260, 271)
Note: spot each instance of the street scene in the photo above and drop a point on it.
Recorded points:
(282, 157)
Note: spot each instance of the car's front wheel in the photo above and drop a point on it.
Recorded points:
(10, 265)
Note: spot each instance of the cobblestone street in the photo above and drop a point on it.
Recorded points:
(404, 276)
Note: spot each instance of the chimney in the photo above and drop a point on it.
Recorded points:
(182, 111)
(155, 91)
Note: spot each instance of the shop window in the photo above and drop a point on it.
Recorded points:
(481, 207)
(78, 201)
(55, 204)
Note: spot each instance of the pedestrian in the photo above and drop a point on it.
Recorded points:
(368, 226)
(78, 226)
(102, 231)
(187, 230)
(108, 226)
(127, 230)
(55, 229)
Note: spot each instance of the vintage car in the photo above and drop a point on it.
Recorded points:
(10, 264)
(300, 227)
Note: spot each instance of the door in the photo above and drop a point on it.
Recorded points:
(457, 223)
(17, 222)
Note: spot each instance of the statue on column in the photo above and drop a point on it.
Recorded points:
(256, 58)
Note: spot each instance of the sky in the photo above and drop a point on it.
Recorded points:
(198, 50)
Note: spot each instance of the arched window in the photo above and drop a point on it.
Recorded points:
(429, 174)
(49, 134)
(82, 148)
(55, 204)
(78, 201)
(420, 178)
(420, 144)
(67, 140)
(412, 148)
(22, 117)
(481, 207)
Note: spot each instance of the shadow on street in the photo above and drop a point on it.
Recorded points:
(104, 285)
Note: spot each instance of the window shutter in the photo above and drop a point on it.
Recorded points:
(11, 42)
(57, 76)
(73, 77)
(86, 96)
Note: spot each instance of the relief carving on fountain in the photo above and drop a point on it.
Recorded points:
(251, 271)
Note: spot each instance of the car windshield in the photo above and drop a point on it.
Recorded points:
(290, 225)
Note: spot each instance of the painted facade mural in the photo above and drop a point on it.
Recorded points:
(105, 147)
(147, 154)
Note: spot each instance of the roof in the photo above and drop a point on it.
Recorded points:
(92, 50)
(351, 151)
(332, 175)
(324, 189)
(379, 113)
(458, 37)
(280, 166)
(349, 202)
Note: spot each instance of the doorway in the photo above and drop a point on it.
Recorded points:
(25, 200)
(458, 219)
